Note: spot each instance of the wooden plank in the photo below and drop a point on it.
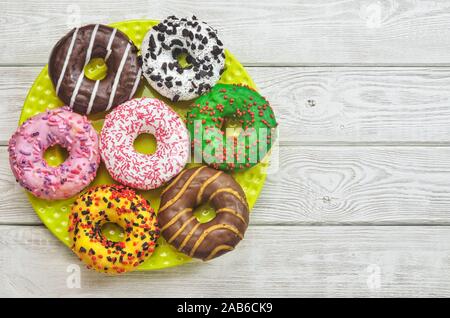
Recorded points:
(390, 105)
(316, 105)
(257, 31)
(324, 185)
(272, 261)
(358, 185)
(14, 85)
(14, 203)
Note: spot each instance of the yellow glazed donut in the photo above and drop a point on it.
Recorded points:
(112, 204)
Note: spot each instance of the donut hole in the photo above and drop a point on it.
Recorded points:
(145, 144)
(205, 213)
(112, 231)
(231, 122)
(183, 58)
(96, 69)
(232, 126)
(55, 155)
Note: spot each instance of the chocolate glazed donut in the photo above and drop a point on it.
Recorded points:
(74, 51)
(181, 228)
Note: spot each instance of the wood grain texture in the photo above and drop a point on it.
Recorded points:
(318, 104)
(14, 85)
(361, 91)
(387, 105)
(270, 262)
(324, 185)
(358, 185)
(289, 31)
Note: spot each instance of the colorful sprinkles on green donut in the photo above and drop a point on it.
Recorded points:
(232, 127)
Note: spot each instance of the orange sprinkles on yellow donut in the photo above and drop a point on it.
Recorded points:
(112, 204)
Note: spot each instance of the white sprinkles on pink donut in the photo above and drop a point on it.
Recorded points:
(124, 124)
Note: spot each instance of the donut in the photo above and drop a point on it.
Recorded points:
(207, 119)
(124, 124)
(165, 42)
(54, 127)
(74, 51)
(112, 204)
(194, 187)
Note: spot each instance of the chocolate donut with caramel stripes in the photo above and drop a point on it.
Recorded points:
(194, 187)
(75, 50)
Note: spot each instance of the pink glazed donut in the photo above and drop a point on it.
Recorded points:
(67, 129)
(124, 124)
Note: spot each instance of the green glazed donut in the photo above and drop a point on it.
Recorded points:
(250, 118)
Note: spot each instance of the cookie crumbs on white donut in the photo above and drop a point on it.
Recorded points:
(205, 55)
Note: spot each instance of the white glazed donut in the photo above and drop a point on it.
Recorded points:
(172, 37)
(124, 124)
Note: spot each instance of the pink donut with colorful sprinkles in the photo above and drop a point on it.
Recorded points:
(54, 127)
(124, 124)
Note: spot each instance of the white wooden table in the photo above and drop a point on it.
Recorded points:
(361, 203)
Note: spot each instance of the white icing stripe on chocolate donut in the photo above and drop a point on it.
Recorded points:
(111, 40)
(136, 84)
(75, 91)
(86, 61)
(66, 61)
(91, 45)
(97, 83)
(117, 78)
(91, 100)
